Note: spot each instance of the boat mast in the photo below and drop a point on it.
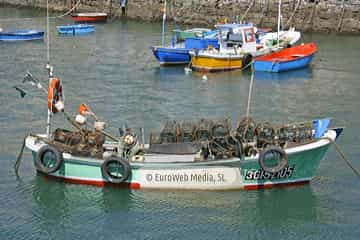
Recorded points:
(163, 25)
(278, 25)
(48, 66)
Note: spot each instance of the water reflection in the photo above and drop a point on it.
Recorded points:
(170, 73)
(57, 199)
(296, 76)
(290, 204)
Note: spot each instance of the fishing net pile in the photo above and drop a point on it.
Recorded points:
(218, 140)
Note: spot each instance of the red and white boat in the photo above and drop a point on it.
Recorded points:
(89, 17)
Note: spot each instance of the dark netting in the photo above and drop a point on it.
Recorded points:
(186, 131)
(203, 130)
(219, 141)
(81, 143)
(170, 132)
(220, 128)
(245, 130)
(265, 134)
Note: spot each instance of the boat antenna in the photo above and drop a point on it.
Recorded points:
(47, 32)
(278, 25)
(250, 92)
(163, 24)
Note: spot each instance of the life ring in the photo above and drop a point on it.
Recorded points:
(282, 160)
(51, 163)
(55, 94)
(115, 162)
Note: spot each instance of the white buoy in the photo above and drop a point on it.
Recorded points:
(99, 126)
(59, 106)
(80, 119)
(187, 70)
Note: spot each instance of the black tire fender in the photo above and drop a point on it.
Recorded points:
(281, 164)
(39, 163)
(246, 60)
(112, 178)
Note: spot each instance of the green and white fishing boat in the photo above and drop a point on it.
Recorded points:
(178, 165)
(202, 155)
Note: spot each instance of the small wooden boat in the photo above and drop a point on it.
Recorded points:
(179, 53)
(286, 59)
(172, 55)
(77, 29)
(182, 42)
(21, 35)
(89, 17)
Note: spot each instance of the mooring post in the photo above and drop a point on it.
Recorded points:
(341, 16)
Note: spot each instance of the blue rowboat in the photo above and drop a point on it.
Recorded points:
(21, 35)
(287, 59)
(178, 53)
(77, 29)
(171, 55)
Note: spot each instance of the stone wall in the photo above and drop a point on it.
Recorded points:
(305, 15)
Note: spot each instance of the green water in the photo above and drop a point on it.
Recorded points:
(114, 72)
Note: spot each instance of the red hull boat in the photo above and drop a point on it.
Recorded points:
(89, 17)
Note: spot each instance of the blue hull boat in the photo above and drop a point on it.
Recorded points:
(171, 55)
(287, 59)
(77, 29)
(179, 53)
(21, 35)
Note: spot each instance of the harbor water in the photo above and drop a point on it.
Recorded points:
(115, 73)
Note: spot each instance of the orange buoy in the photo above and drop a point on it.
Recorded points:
(83, 109)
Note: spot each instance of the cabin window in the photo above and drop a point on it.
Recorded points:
(249, 35)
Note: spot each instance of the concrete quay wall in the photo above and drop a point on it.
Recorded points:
(304, 15)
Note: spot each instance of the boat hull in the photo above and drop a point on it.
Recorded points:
(213, 64)
(171, 56)
(225, 174)
(89, 17)
(21, 36)
(286, 59)
(267, 66)
(75, 29)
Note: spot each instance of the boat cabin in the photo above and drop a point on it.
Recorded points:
(234, 36)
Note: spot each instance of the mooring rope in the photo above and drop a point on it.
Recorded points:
(343, 157)
(293, 14)
(247, 10)
(68, 12)
(250, 92)
(19, 158)
(341, 16)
